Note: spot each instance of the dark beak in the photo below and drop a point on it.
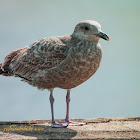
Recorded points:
(103, 35)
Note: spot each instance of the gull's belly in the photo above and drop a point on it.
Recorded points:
(77, 75)
(68, 77)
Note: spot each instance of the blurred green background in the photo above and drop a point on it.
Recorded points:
(114, 91)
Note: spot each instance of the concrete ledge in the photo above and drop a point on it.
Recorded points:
(102, 128)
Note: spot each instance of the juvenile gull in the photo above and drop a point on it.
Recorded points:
(64, 62)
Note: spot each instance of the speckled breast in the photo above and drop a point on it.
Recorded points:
(81, 64)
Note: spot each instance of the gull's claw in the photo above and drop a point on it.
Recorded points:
(57, 125)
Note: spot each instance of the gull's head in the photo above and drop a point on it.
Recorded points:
(89, 30)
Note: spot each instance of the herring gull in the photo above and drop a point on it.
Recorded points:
(63, 61)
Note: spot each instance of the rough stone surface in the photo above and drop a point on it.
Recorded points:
(102, 128)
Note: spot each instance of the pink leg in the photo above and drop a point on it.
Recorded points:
(54, 124)
(67, 111)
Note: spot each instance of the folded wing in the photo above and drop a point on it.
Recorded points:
(42, 54)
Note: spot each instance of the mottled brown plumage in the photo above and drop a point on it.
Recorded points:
(64, 62)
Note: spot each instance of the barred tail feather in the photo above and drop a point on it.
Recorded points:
(5, 69)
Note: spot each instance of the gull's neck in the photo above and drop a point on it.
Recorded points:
(90, 42)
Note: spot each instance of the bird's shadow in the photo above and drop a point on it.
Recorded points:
(39, 131)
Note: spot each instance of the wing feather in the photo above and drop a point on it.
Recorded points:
(42, 54)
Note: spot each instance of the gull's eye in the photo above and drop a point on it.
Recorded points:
(86, 28)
